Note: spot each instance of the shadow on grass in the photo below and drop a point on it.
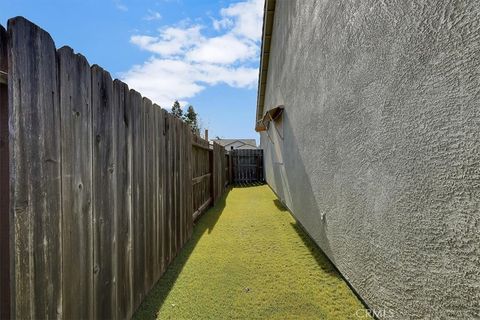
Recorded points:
(325, 263)
(156, 297)
(322, 260)
(280, 206)
(214, 212)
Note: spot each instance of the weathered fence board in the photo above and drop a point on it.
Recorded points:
(35, 170)
(157, 154)
(137, 197)
(175, 190)
(4, 188)
(76, 146)
(101, 185)
(104, 189)
(171, 190)
(164, 192)
(123, 227)
(147, 108)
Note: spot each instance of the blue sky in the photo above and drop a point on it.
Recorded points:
(201, 52)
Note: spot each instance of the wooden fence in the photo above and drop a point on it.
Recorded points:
(247, 166)
(202, 176)
(98, 184)
(210, 166)
(219, 165)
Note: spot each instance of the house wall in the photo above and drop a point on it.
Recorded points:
(380, 154)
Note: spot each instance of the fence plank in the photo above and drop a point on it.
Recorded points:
(149, 205)
(137, 197)
(175, 187)
(171, 131)
(123, 150)
(4, 187)
(157, 135)
(76, 146)
(177, 190)
(183, 179)
(104, 188)
(168, 188)
(35, 170)
(164, 180)
(190, 186)
(181, 218)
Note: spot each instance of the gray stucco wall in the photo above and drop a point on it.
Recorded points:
(380, 155)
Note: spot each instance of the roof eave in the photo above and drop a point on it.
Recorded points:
(267, 29)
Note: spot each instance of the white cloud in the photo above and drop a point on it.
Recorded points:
(162, 80)
(185, 61)
(222, 24)
(152, 15)
(165, 80)
(245, 17)
(120, 6)
(171, 41)
(225, 49)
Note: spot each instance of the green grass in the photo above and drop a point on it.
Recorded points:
(248, 259)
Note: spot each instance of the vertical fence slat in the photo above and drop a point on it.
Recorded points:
(123, 201)
(188, 180)
(35, 170)
(175, 188)
(158, 191)
(181, 185)
(134, 101)
(4, 187)
(190, 211)
(176, 192)
(149, 205)
(76, 147)
(163, 159)
(104, 188)
(137, 199)
(168, 188)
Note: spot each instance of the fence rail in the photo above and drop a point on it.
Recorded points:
(99, 186)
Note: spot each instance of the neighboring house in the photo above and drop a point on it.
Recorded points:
(369, 114)
(230, 144)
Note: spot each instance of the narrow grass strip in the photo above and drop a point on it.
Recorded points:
(248, 259)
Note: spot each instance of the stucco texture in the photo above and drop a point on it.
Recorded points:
(378, 155)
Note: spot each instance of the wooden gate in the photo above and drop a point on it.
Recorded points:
(247, 166)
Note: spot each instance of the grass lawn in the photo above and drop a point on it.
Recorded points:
(248, 259)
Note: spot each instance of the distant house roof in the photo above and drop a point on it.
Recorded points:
(227, 142)
(247, 146)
